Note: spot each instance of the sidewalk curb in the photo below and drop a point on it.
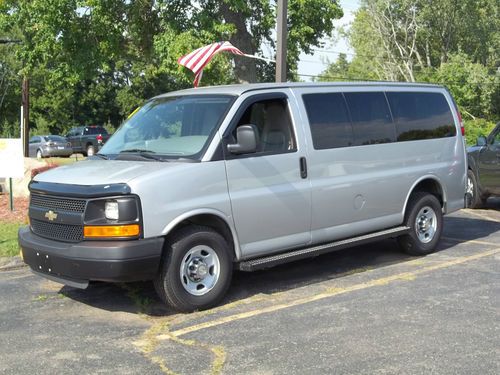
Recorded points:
(11, 263)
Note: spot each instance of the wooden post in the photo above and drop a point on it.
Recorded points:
(26, 114)
(282, 37)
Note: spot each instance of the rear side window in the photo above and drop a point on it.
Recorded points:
(371, 118)
(329, 120)
(421, 115)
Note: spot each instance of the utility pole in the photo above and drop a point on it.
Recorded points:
(26, 114)
(282, 37)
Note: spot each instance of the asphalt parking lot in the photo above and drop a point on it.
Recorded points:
(366, 310)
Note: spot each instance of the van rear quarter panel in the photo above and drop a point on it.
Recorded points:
(365, 188)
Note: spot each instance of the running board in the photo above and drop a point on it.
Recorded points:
(274, 260)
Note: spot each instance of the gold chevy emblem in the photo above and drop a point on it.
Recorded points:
(51, 215)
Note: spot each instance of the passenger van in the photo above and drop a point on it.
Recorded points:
(199, 182)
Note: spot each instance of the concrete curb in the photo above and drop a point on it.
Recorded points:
(11, 263)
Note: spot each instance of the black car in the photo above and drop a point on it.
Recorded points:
(483, 177)
(87, 139)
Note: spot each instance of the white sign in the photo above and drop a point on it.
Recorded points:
(11, 158)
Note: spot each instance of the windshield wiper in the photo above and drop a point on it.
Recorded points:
(146, 154)
(138, 150)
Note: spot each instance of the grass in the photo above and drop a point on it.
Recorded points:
(8, 239)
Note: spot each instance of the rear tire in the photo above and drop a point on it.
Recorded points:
(473, 195)
(424, 217)
(39, 154)
(196, 269)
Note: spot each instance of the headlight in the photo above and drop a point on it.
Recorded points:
(111, 210)
(113, 218)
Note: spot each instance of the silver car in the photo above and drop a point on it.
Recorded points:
(200, 182)
(42, 146)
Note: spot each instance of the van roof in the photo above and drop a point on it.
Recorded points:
(243, 88)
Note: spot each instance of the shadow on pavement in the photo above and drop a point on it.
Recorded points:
(141, 297)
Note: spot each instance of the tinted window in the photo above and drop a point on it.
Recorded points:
(371, 119)
(329, 120)
(95, 130)
(421, 115)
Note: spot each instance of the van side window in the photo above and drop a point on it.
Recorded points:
(371, 118)
(272, 119)
(421, 115)
(329, 120)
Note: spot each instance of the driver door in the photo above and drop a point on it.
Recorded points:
(270, 197)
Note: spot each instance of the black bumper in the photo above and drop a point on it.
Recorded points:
(76, 264)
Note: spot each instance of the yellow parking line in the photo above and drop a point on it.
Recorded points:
(331, 293)
(481, 216)
(479, 242)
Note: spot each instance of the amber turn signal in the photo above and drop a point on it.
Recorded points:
(132, 230)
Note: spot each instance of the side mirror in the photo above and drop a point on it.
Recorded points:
(247, 138)
(481, 141)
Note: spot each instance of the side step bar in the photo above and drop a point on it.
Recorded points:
(290, 256)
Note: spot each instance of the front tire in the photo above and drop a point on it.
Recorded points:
(425, 220)
(39, 154)
(473, 195)
(196, 269)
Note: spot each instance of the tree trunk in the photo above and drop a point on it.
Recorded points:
(245, 68)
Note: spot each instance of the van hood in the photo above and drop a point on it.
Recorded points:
(99, 172)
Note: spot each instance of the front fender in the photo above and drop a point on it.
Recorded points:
(208, 211)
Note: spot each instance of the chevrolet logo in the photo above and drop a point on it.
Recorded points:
(51, 215)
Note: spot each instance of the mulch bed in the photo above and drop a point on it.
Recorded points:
(20, 213)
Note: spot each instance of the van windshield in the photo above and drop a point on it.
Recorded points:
(170, 128)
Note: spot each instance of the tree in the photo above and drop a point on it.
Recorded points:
(336, 71)
(404, 37)
(94, 61)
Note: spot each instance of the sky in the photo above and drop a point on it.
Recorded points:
(313, 65)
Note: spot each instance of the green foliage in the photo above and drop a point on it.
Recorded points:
(94, 61)
(476, 128)
(471, 85)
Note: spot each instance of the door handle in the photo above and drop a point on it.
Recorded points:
(303, 167)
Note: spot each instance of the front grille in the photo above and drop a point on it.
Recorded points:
(70, 233)
(60, 205)
(57, 204)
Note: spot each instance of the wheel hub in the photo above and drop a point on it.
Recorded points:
(198, 269)
(424, 224)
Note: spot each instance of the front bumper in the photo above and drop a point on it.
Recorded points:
(76, 264)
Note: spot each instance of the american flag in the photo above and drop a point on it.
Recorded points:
(198, 59)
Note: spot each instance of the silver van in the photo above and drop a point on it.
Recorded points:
(199, 182)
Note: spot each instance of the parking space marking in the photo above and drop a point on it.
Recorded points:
(463, 240)
(404, 276)
(481, 216)
(15, 277)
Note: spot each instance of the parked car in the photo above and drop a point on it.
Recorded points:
(483, 175)
(200, 181)
(87, 139)
(43, 146)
